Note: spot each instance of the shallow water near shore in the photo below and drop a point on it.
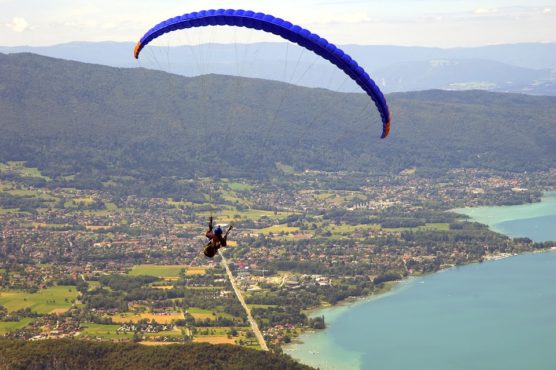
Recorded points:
(493, 315)
(536, 221)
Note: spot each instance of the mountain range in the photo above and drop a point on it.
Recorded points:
(71, 118)
(521, 68)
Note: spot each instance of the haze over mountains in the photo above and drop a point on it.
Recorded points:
(72, 118)
(522, 68)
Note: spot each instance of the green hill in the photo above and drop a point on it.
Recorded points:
(77, 354)
(71, 118)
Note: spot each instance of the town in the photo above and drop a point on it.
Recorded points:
(96, 265)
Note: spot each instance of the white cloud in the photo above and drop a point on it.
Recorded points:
(432, 23)
(18, 24)
(486, 11)
(330, 17)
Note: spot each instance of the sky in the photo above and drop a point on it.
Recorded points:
(437, 23)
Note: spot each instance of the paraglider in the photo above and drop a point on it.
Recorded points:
(216, 239)
(284, 29)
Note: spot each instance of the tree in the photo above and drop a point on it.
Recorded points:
(136, 338)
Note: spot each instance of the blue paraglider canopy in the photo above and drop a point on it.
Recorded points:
(284, 29)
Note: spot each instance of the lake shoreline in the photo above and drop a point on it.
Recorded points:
(352, 302)
(305, 349)
(391, 289)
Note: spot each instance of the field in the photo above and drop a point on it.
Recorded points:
(429, 226)
(277, 229)
(110, 332)
(161, 319)
(220, 335)
(253, 305)
(229, 215)
(30, 193)
(201, 314)
(55, 299)
(6, 327)
(214, 339)
(9, 211)
(179, 204)
(20, 169)
(104, 331)
(93, 284)
(338, 198)
(96, 228)
(239, 186)
(196, 271)
(165, 271)
(175, 333)
(155, 343)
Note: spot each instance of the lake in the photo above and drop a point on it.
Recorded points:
(536, 221)
(493, 315)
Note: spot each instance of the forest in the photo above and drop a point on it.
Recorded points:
(77, 354)
(135, 131)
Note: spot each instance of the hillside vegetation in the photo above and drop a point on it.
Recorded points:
(77, 354)
(82, 123)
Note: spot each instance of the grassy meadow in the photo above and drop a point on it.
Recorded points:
(56, 299)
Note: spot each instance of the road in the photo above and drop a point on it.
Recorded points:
(252, 321)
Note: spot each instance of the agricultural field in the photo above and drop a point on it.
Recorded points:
(9, 326)
(277, 229)
(215, 339)
(175, 333)
(136, 317)
(179, 203)
(23, 171)
(239, 186)
(221, 335)
(165, 271)
(426, 227)
(93, 285)
(29, 193)
(232, 196)
(229, 215)
(110, 332)
(56, 299)
(155, 343)
(163, 287)
(196, 270)
(104, 331)
(337, 199)
(253, 305)
(201, 314)
(9, 211)
(288, 170)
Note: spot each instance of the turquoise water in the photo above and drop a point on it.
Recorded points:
(539, 229)
(493, 315)
(536, 221)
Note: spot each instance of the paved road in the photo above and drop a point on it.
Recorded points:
(252, 321)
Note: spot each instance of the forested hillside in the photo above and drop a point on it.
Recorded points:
(90, 122)
(76, 354)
